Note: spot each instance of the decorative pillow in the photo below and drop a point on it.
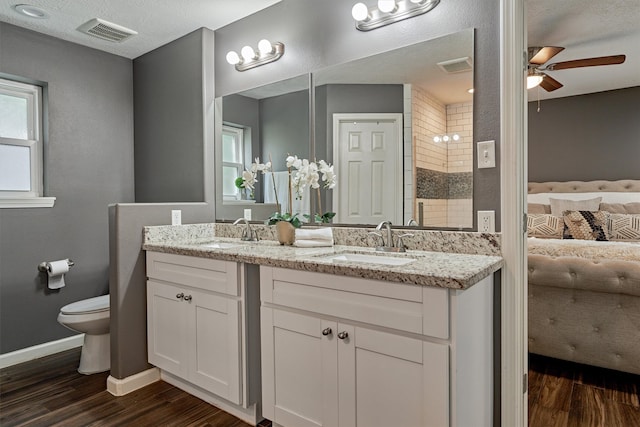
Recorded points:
(586, 225)
(624, 227)
(545, 226)
(538, 208)
(621, 208)
(558, 206)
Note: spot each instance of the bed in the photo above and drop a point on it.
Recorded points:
(584, 284)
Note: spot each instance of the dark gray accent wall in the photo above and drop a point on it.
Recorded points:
(169, 122)
(319, 34)
(284, 124)
(88, 165)
(586, 137)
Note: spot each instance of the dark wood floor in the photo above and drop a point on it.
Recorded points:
(564, 394)
(50, 392)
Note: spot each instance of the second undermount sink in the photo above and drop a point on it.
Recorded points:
(359, 258)
(220, 245)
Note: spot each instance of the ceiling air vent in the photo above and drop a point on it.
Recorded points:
(456, 65)
(106, 30)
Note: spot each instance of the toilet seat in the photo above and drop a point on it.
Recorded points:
(87, 306)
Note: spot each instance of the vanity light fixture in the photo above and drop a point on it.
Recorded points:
(249, 58)
(389, 11)
(446, 137)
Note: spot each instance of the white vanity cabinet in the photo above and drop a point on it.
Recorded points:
(197, 329)
(344, 351)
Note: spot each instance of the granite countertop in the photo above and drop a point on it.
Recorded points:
(446, 270)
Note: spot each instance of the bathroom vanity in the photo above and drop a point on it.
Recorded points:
(346, 336)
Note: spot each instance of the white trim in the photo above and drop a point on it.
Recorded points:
(32, 202)
(120, 387)
(40, 350)
(513, 173)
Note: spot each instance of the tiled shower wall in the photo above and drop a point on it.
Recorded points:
(443, 166)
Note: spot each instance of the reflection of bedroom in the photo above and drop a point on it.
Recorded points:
(584, 232)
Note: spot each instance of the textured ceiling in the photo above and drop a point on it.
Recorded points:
(586, 29)
(157, 22)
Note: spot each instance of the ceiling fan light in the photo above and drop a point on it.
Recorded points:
(533, 80)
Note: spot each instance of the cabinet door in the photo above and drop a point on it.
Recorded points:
(391, 380)
(299, 369)
(214, 329)
(166, 326)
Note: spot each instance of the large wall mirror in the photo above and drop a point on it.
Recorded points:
(397, 126)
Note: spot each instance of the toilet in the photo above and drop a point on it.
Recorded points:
(91, 317)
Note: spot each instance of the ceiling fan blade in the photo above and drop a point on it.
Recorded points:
(587, 62)
(549, 83)
(540, 55)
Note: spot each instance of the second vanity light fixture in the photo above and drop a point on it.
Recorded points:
(389, 11)
(249, 58)
(446, 137)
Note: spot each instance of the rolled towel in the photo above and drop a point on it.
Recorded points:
(312, 243)
(322, 233)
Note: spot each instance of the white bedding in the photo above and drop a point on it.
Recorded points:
(607, 197)
(627, 251)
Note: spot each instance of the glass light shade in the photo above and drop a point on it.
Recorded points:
(386, 6)
(455, 137)
(233, 58)
(437, 139)
(417, 1)
(265, 47)
(360, 12)
(248, 53)
(533, 80)
(445, 138)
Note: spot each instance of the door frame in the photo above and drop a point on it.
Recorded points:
(397, 118)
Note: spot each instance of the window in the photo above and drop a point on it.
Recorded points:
(21, 146)
(232, 161)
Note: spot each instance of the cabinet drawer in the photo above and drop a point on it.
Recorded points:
(405, 307)
(207, 274)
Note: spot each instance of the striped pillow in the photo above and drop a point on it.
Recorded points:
(586, 225)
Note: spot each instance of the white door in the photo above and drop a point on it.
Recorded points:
(367, 155)
(390, 380)
(166, 327)
(299, 369)
(214, 330)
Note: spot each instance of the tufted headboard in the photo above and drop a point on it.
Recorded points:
(623, 185)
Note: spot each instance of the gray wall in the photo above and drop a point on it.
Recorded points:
(319, 34)
(169, 122)
(88, 165)
(586, 137)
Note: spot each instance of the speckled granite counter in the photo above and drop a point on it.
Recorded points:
(441, 269)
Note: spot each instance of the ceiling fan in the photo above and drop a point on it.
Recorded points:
(538, 56)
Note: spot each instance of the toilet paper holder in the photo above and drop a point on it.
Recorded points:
(43, 266)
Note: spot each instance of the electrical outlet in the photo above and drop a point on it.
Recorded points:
(486, 221)
(176, 217)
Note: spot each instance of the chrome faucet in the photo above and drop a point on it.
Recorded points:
(248, 234)
(387, 244)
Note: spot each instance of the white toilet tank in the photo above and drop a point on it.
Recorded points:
(90, 305)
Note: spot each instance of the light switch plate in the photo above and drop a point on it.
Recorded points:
(176, 217)
(486, 154)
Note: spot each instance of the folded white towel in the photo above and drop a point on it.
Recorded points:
(322, 233)
(312, 243)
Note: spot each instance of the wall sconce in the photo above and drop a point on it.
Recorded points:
(446, 137)
(249, 58)
(389, 11)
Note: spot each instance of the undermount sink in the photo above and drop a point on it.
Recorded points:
(220, 245)
(359, 258)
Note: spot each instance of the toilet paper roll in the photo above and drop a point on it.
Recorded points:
(55, 272)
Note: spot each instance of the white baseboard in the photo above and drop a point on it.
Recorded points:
(120, 387)
(40, 350)
(251, 415)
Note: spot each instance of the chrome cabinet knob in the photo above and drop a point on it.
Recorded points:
(180, 295)
(326, 331)
(187, 297)
(343, 335)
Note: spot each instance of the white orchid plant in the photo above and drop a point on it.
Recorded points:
(249, 177)
(303, 173)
